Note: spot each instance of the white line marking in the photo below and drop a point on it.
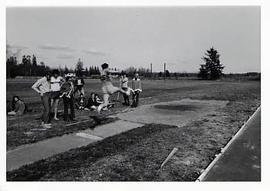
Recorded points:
(88, 136)
(77, 123)
(239, 132)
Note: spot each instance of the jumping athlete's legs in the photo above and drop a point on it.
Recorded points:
(105, 103)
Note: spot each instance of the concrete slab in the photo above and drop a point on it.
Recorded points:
(113, 128)
(172, 113)
(33, 152)
(28, 154)
(241, 161)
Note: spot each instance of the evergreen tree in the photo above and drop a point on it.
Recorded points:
(79, 67)
(212, 69)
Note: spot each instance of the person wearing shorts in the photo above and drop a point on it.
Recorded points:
(56, 82)
(107, 86)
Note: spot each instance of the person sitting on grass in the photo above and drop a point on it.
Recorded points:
(93, 102)
(107, 86)
(81, 102)
(18, 107)
(137, 89)
(43, 87)
(67, 93)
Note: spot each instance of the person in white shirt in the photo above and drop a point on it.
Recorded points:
(124, 86)
(137, 89)
(43, 87)
(56, 83)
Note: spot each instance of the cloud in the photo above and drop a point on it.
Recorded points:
(55, 47)
(64, 56)
(14, 50)
(93, 52)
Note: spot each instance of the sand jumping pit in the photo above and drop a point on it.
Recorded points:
(176, 113)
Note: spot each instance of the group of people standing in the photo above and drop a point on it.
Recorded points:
(54, 87)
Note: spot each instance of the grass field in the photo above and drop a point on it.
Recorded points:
(137, 154)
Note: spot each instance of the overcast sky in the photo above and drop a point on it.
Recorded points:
(125, 37)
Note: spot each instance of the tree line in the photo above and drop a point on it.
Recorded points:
(28, 66)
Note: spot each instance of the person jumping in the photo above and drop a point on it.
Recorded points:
(107, 86)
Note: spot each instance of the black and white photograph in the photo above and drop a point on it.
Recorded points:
(133, 93)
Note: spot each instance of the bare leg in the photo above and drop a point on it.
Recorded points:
(56, 101)
(106, 102)
(52, 103)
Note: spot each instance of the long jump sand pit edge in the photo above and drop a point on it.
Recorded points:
(176, 113)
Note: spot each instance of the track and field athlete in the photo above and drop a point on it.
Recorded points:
(107, 87)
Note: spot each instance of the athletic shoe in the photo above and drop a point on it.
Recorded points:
(99, 109)
(47, 126)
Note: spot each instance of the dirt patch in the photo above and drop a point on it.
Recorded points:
(178, 107)
(178, 112)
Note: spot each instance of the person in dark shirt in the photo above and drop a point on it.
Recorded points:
(79, 83)
(67, 93)
(93, 102)
(81, 102)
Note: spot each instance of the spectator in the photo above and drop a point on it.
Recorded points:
(79, 83)
(93, 102)
(18, 106)
(67, 93)
(81, 103)
(137, 89)
(56, 83)
(43, 87)
(124, 86)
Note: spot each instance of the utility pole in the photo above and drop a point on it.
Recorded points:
(151, 68)
(164, 71)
